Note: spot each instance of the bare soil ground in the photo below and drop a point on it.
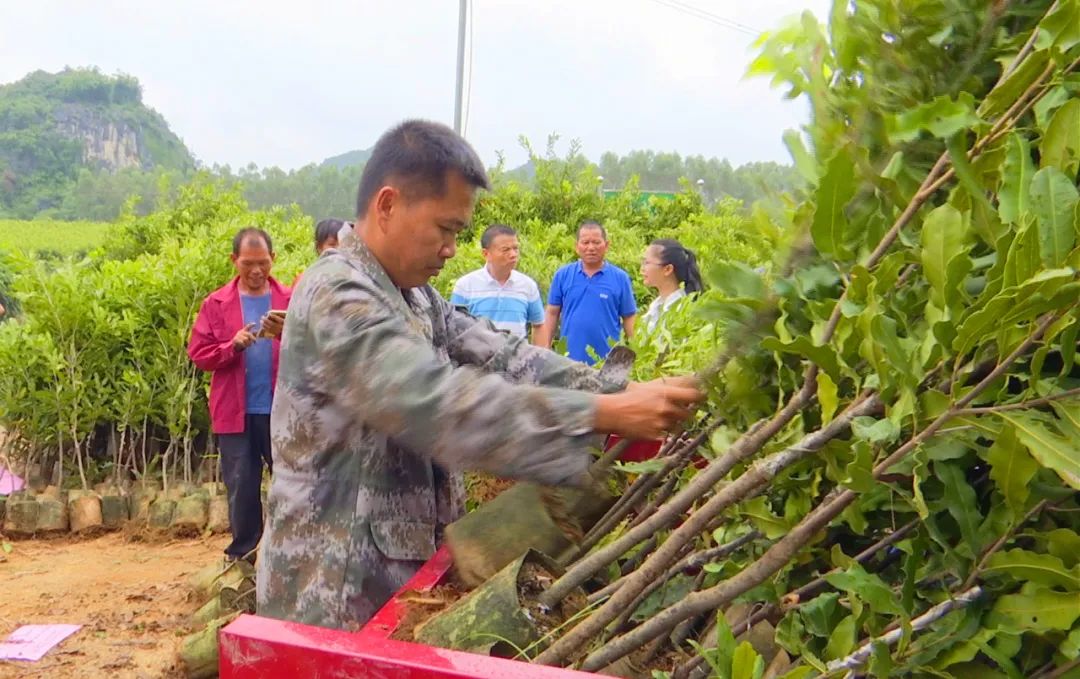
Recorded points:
(130, 596)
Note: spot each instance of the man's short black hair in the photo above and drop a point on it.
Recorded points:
(495, 230)
(327, 229)
(417, 154)
(251, 233)
(592, 224)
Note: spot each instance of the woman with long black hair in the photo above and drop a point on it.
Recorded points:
(671, 269)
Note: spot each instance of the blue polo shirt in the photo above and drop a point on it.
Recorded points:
(592, 307)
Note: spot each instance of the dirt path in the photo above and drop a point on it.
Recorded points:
(130, 596)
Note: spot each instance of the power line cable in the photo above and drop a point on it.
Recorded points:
(699, 13)
(717, 17)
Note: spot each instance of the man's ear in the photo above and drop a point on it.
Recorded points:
(386, 200)
(232, 258)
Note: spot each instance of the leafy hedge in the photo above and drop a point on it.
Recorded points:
(94, 374)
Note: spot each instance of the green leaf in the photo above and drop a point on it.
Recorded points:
(1053, 200)
(999, 99)
(642, 467)
(835, 190)
(1060, 145)
(944, 236)
(1061, 27)
(1068, 348)
(790, 633)
(894, 167)
(736, 281)
(920, 472)
(1024, 258)
(868, 588)
(874, 431)
(1070, 648)
(804, 162)
(881, 662)
(821, 356)
(1011, 468)
(764, 520)
(1064, 543)
(944, 449)
(1036, 608)
(1050, 449)
(961, 503)
(885, 334)
(860, 471)
(943, 117)
(827, 396)
(1025, 566)
(1068, 417)
(724, 653)
(1049, 103)
(746, 663)
(820, 614)
(1014, 195)
(965, 172)
(842, 640)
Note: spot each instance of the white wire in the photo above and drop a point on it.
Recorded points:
(699, 13)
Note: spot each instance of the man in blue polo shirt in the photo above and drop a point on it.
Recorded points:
(508, 298)
(591, 300)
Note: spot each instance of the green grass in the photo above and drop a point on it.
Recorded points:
(39, 235)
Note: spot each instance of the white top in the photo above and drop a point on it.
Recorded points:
(659, 306)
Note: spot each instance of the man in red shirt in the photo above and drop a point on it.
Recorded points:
(237, 339)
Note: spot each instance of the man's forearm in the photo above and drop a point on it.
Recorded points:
(543, 333)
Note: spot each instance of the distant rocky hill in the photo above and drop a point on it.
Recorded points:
(53, 125)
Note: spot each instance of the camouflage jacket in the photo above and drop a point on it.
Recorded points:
(383, 397)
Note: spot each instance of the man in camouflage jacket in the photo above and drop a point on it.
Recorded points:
(386, 393)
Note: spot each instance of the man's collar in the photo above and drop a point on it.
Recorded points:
(581, 267)
(353, 246)
(491, 276)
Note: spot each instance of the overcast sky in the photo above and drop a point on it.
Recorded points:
(289, 83)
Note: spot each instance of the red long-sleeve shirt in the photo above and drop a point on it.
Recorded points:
(220, 318)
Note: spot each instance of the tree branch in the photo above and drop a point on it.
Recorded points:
(1023, 405)
(804, 593)
(747, 485)
(747, 445)
(859, 657)
(797, 538)
(999, 543)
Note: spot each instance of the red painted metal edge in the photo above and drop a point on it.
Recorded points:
(637, 451)
(254, 648)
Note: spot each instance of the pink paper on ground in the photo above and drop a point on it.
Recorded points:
(32, 642)
(9, 483)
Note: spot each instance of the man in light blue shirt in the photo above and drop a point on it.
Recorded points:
(508, 298)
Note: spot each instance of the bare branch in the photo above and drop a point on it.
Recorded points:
(856, 659)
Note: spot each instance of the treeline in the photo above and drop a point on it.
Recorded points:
(318, 190)
(715, 177)
(325, 190)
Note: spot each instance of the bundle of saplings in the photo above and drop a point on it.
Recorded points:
(893, 432)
